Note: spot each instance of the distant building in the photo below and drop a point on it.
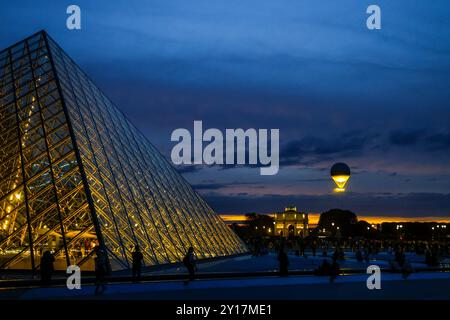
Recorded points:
(291, 223)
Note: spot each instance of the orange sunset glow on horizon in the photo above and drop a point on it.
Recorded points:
(314, 218)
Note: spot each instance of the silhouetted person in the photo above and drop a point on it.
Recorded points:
(335, 270)
(284, 262)
(100, 270)
(367, 255)
(302, 247)
(359, 256)
(257, 248)
(137, 258)
(406, 270)
(435, 255)
(400, 257)
(189, 263)
(324, 269)
(313, 248)
(338, 253)
(428, 257)
(47, 260)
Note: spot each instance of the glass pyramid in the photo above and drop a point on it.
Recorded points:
(75, 174)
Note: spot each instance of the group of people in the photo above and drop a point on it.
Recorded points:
(331, 270)
(101, 267)
(326, 269)
(362, 249)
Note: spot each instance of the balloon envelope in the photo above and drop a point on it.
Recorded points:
(340, 173)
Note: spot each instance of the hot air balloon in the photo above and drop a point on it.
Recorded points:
(340, 173)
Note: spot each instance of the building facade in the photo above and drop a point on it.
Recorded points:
(75, 174)
(291, 223)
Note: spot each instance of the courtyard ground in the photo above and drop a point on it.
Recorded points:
(420, 285)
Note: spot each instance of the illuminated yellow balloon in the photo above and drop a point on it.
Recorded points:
(340, 173)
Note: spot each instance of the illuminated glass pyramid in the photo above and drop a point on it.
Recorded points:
(75, 174)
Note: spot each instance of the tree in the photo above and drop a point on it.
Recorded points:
(364, 229)
(259, 224)
(336, 219)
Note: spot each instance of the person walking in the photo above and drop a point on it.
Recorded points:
(100, 270)
(137, 258)
(313, 247)
(47, 268)
(284, 262)
(335, 270)
(189, 263)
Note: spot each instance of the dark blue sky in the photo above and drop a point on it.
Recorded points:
(378, 100)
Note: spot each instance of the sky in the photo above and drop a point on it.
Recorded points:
(339, 92)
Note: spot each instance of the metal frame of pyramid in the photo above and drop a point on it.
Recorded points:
(75, 174)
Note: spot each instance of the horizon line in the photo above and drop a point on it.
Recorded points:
(314, 218)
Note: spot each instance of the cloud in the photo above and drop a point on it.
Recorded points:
(438, 141)
(184, 169)
(398, 204)
(310, 150)
(425, 139)
(406, 137)
(210, 186)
